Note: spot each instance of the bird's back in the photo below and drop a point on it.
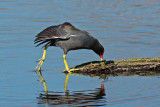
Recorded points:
(78, 40)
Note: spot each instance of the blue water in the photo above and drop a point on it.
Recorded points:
(127, 29)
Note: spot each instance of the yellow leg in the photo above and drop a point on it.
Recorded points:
(66, 81)
(65, 62)
(65, 87)
(41, 60)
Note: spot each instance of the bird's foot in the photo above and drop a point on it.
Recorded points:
(39, 60)
(71, 70)
(40, 63)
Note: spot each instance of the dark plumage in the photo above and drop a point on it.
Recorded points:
(67, 37)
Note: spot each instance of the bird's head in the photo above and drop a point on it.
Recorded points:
(98, 49)
(100, 52)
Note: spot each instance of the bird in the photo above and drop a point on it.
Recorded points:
(67, 37)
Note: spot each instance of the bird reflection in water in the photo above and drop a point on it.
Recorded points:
(85, 97)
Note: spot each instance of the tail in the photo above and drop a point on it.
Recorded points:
(45, 42)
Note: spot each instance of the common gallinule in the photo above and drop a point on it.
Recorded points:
(67, 37)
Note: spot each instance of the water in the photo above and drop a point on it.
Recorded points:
(127, 29)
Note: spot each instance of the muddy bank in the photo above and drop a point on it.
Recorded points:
(137, 66)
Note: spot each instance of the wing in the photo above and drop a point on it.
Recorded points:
(50, 35)
(55, 33)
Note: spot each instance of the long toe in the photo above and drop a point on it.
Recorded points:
(39, 60)
(39, 65)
